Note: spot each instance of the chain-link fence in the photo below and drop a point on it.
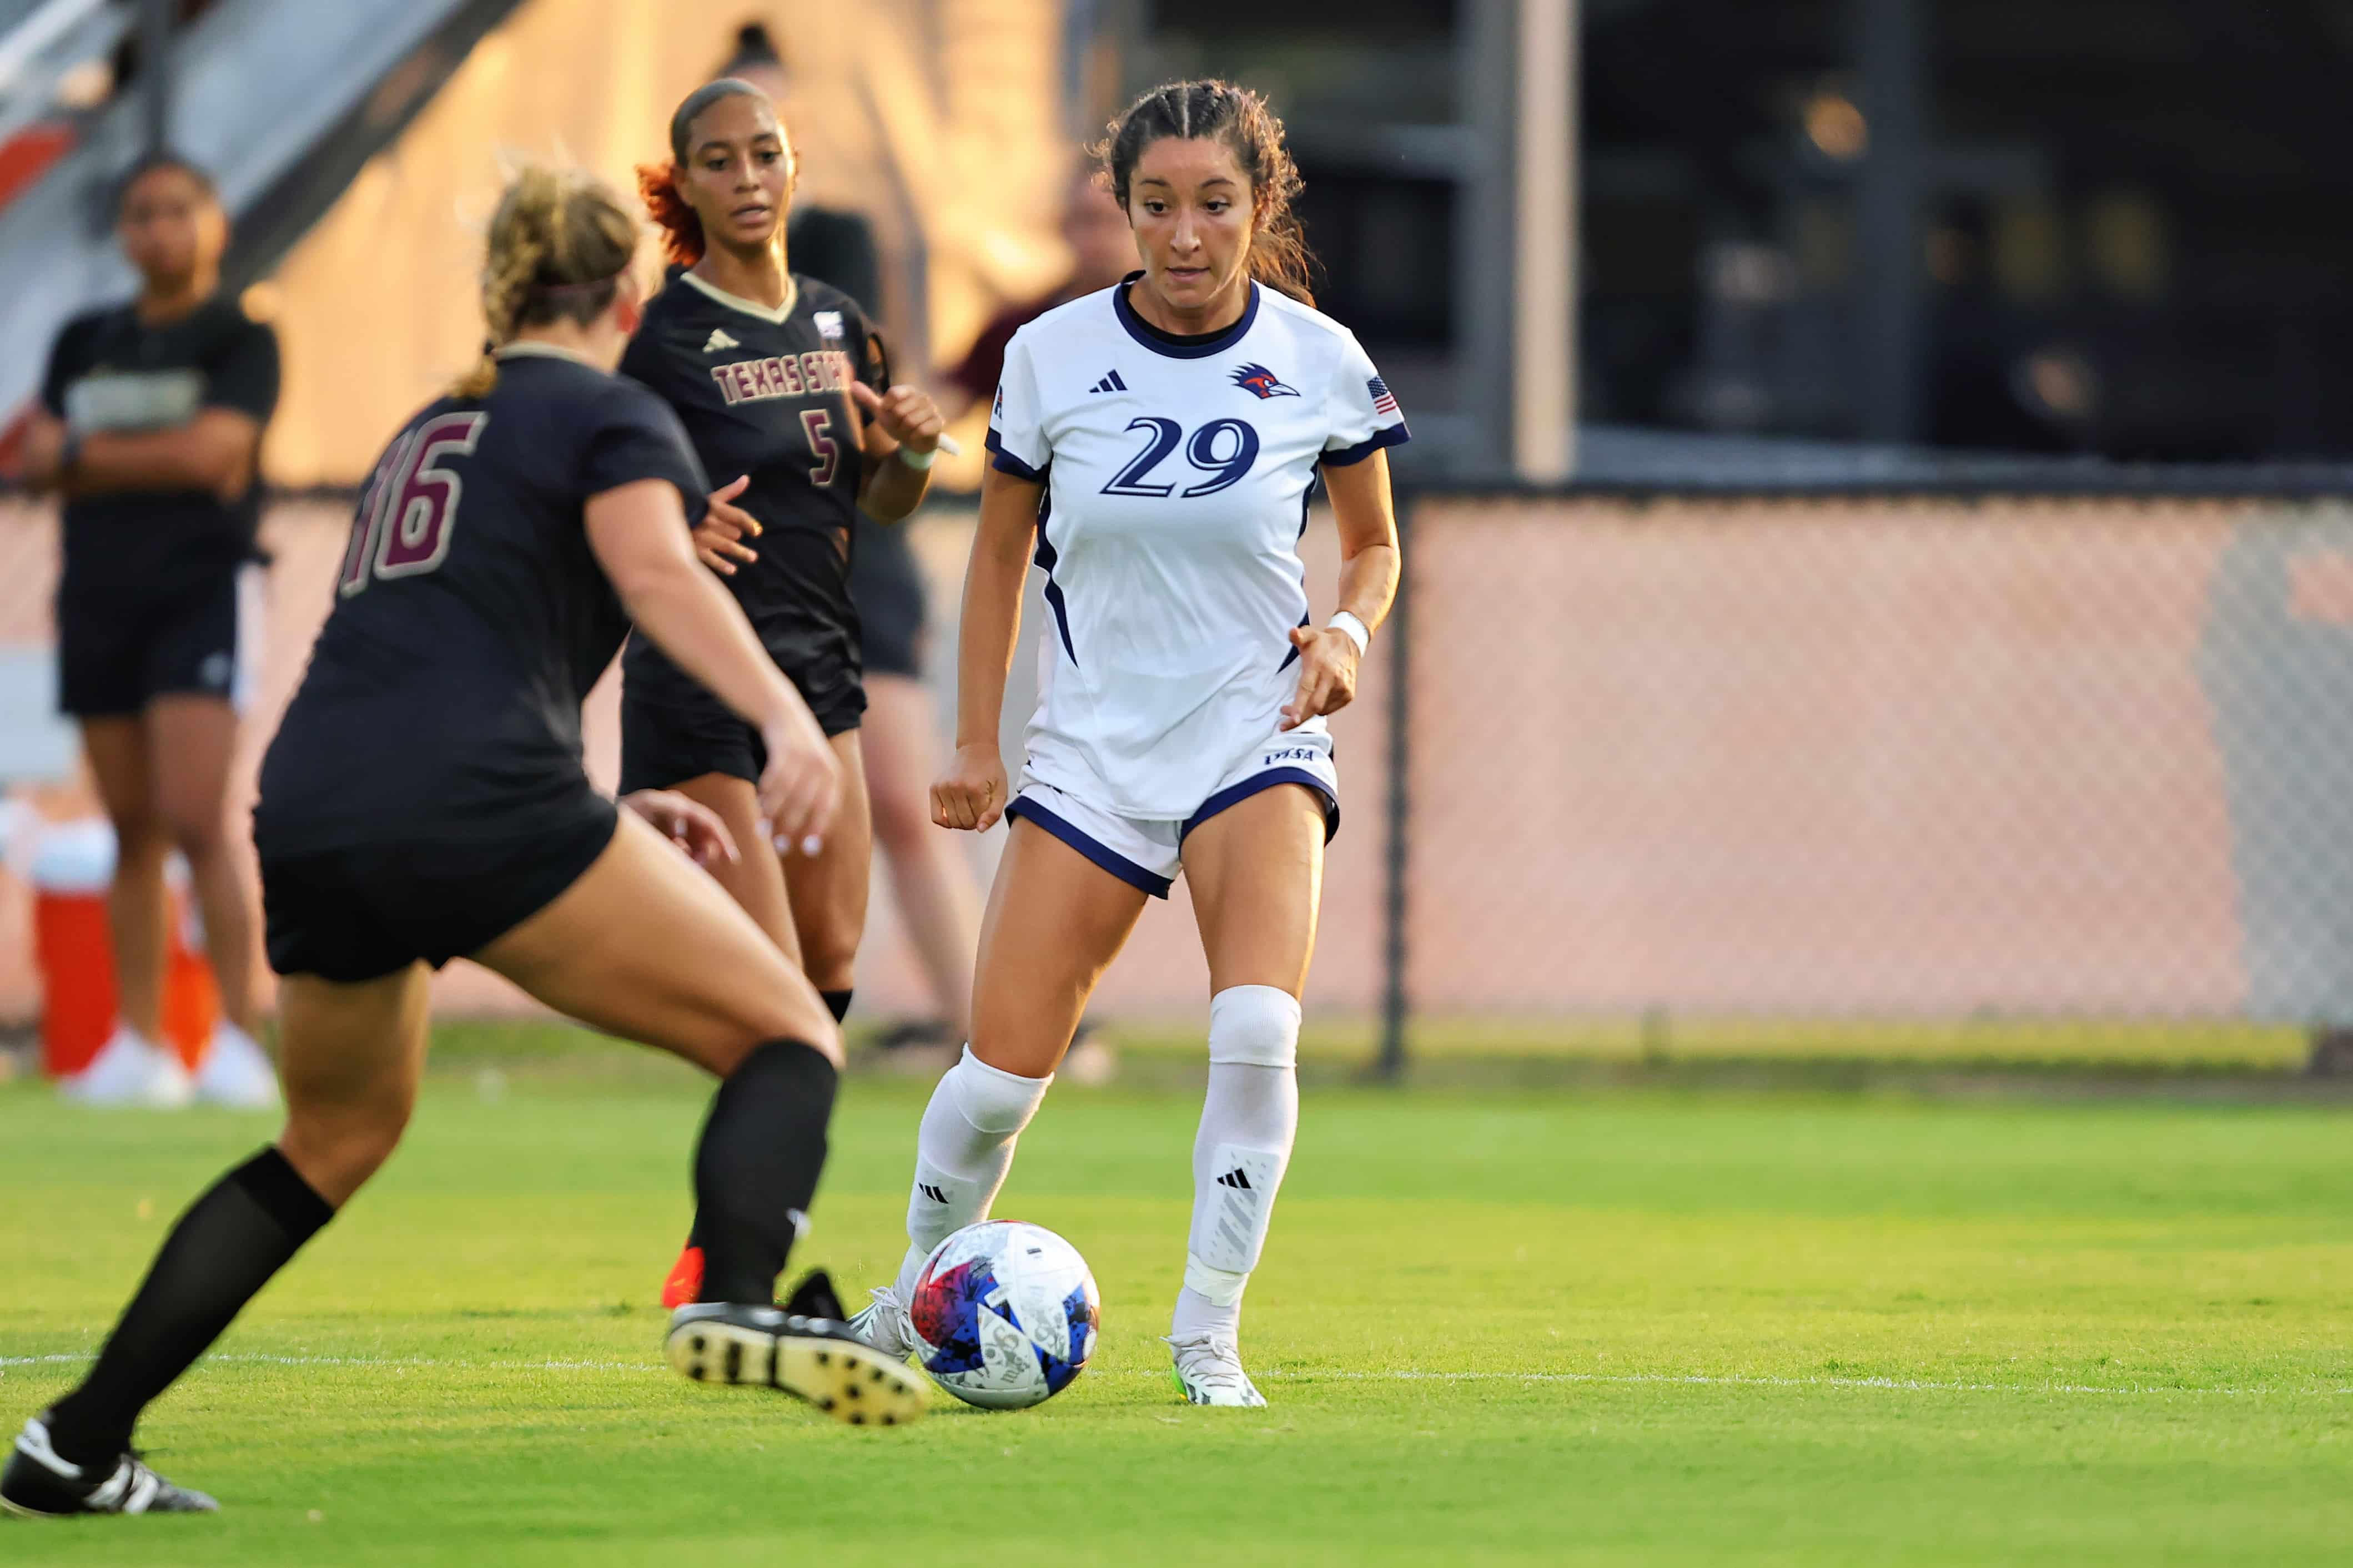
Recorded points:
(1846, 758)
(1815, 762)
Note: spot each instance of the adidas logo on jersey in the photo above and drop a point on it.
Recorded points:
(719, 339)
(1110, 383)
(1237, 1179)
(932, 1193)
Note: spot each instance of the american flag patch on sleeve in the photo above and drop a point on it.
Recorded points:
(1383, 403)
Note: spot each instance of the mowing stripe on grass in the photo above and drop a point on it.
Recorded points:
(1697, 1380)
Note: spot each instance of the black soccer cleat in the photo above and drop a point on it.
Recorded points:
(815, 1296)
(810, 1355)
(38, 1484)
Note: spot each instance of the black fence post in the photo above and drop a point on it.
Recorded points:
(1396, 1002)
(157, 21)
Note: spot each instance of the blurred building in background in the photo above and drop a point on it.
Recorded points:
(1885, 698)
(2111, 226)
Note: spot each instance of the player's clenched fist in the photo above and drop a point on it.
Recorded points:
(906, 413)
(1327, 675)
(971, 793)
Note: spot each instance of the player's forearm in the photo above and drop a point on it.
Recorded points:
(190, 457)
(990, 626)
(1368, 581)
(894, 490)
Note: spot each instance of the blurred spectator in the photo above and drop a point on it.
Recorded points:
(1102, 252)
(150, 426)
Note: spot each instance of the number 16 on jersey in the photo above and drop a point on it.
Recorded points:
(410, 507)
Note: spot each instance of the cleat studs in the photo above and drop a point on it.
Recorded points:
(827, 1403)
(857, 1418)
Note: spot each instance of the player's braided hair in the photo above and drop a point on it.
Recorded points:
(1279, 257)
(682, 242)
(558, 245)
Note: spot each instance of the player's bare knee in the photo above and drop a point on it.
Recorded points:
(829, 959)
(140, 836)
(198, 829)
(337, 1152)
(810, 1025)
(901, 821)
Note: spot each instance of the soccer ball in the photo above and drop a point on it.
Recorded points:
(1005, 1314)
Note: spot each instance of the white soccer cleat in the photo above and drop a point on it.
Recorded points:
(883, 1323)
(1210, 1371)
(130, 1069)
(237, 1072)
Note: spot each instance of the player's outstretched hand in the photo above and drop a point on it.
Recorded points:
(719, 537)
(907, 415)
(971, 793)
(1327, 675)
(801, 786)
(694, 828)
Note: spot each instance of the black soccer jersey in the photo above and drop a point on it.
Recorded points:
(110, 372)
(442, 702)
(767, 393)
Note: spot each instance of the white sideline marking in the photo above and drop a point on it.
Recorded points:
(1697, 1380)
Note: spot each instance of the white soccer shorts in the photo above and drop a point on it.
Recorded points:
(1147, 852)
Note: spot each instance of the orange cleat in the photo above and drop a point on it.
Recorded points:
(685, 1282)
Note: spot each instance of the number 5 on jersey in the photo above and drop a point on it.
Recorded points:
(823, 448)
(410, 507)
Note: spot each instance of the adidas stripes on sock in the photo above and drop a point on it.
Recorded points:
(963, 1151)
(243, 1230)
(1249, 1120)
(756, 1167)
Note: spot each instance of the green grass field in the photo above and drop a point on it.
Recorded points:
(1626, 1327)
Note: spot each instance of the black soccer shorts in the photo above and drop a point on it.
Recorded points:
(118, 650)
(365, 911)
(887, 587)
(673, 730)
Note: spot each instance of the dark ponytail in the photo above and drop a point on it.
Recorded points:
(1220, 112)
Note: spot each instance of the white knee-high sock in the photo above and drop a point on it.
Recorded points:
(963, 1151)
(1248, 1123)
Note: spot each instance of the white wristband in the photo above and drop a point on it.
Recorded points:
(1354, 630)
(916, 460)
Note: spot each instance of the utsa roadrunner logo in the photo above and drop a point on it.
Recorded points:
(1261, 383)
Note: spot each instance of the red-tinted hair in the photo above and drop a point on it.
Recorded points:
(681, 231)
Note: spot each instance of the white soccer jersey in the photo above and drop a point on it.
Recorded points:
(1177, 474)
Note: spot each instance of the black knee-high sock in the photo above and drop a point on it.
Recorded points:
(839, 1001)
(220, 1253)
(756, 1167)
